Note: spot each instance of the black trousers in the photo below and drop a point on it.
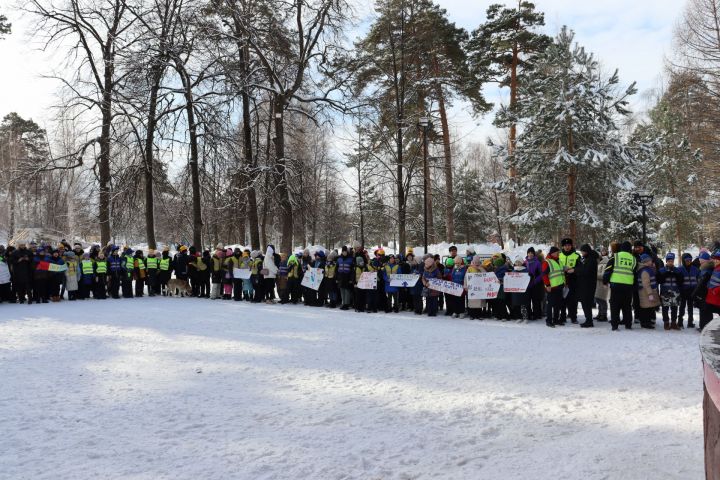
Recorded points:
(686, 301)
(554, 305)
(537, 295)
(621, 300)
(569, 304)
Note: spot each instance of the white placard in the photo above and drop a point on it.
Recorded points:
(445, 286)
(368, 281)
(403, 280)
(482, 286)
(242, 273)
(312, 278)
(516, 282)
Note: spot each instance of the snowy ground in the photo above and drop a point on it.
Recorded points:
(199, 389)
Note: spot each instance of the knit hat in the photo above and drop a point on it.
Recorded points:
(686, 256)
(476, 261)
(670, 256)
(704, 256)
(182, 248)
(645, 257)
(552, 250)
(70, 254)
(585, 248)
(531, 250)
(566, 241)
(487, 263)
(410, 251)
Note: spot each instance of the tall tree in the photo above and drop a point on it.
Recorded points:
(504, 50)
(570, 139)
(95, 33)
(294, 46)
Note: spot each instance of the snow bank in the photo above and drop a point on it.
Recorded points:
(157, 388)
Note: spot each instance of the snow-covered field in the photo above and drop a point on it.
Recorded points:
(197, 389)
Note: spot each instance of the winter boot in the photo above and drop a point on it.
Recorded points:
(666, 325)
(587, 324)
(674, 325)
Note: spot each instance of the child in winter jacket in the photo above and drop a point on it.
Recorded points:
(520, 300)
(71, 275)
(282, 279)
(670, 280)
(392, 293)
(455, 304)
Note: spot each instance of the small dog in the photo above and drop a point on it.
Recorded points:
(177, 286)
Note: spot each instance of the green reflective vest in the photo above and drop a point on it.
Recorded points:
(624, 264)
(556, 274)
(165, 264)
(152, 263)
(568, 260)
(87, 267)
(129, 263)
(141, 263)
(100, 266)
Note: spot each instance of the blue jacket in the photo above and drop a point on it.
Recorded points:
(670, 280)
(690, 277)
(393, 269)
(458, 275)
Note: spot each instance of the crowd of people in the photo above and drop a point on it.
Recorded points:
(629, 282)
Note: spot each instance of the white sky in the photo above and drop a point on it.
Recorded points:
(631, 35)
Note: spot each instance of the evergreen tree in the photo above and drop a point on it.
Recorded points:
(570, 146)
(671, 167)
(504, 50)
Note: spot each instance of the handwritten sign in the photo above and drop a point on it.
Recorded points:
(312, 278)
(444, 286)
(242, 273)
(516, 282)
(403, 280)
(368, 281)
(482, 286)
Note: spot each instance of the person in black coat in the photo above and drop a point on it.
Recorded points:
(22, 273)
(586, 272)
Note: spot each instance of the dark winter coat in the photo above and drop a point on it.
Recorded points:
(534, 269)
(21, 265)
(586, 270)
(345, 271)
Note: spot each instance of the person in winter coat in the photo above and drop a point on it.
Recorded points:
(690, 274)
(475, 306)
(101, 271)
(56, 278)
(152, 264)
(359, 294)
(670, 280)
(165, 270)
(416, 291)
(345, 277)
(316, 298)
(256, 267)
(602, 292)
(536, 289)
(217, 271)
(376, 298)
(71, 276)
(499, 304)
(139, 273)
(294, 274)
(430, 272)
(647, 291)
(180, 263)
(568, 259)
(554, 281)
(329, 284)
(22, 273)
(228, 283)
(116, 272)
(282, 279)
(457, 276)
(204, 265)
(520, 301)
(41, 277)
(269, 273)
(129, 270)
(620, 274)
(392, 293)
(86, 276)
(586, 269)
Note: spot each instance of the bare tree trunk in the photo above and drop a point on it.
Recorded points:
(194, 158)
(104, 166)
(449, 197)
(572, 192)
(286, 214)
(149, 158)
(513, 136)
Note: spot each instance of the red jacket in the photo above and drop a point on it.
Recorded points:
(713, 294)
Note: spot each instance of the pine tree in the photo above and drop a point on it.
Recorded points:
(504, 50)
(570, 147)
(671, 167)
